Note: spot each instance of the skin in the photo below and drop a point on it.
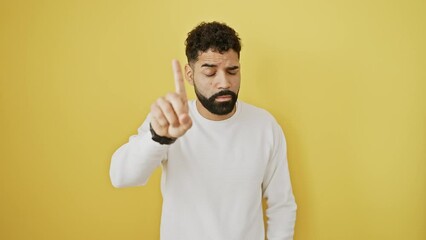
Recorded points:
(211, 73)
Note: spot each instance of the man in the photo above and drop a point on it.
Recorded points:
(220, 156)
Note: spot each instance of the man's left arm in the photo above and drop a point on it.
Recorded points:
(277, 190)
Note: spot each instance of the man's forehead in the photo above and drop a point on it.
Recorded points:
(229, 57)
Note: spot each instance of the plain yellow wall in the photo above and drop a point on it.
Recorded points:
(345, 79)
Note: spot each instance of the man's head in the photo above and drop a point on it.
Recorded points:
(213, 52)
(215, 36)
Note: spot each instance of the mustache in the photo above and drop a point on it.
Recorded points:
(223, 93)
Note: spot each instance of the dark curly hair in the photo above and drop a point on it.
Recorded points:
(214, 35)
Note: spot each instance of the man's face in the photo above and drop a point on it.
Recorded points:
(216, 79)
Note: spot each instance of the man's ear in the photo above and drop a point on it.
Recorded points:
(189, 74)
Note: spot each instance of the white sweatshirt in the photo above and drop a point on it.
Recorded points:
(214, 177)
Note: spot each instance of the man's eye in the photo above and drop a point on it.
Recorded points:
(210, 74)
(232, 72)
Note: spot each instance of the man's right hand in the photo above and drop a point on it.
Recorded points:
(169, 114)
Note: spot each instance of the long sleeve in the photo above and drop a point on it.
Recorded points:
(133, 163)
(281, 205)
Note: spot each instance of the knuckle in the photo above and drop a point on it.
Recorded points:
(154, 107)
(167, 108)
(163, 122)
(172, 96)
(160, 101)
(160, 118)
(173, 121)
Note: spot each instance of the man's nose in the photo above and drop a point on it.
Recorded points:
(223, 81)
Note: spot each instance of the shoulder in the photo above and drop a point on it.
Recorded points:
(260, 117)
(262, 123)
(256, 113)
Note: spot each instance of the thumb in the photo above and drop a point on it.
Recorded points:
(185, 120)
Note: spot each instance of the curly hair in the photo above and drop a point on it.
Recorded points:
(215, 36)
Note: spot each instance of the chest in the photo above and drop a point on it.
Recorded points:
(236, 154)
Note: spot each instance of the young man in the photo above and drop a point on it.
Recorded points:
(220, 156)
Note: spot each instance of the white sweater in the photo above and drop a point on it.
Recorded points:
(214, 177)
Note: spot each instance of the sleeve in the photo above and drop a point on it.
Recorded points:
(277, 190)
(133, 163)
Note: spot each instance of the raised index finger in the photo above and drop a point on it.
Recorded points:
(177, 73)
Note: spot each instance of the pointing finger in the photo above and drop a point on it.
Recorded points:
(177, 73)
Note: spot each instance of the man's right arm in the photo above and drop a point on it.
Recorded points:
(133, 163)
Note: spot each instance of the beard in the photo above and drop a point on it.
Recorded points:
(218, 108)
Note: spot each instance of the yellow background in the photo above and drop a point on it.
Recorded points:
(345, 79)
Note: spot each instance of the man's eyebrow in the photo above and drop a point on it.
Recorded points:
(208, 65)
(215, 66)
(233, 68)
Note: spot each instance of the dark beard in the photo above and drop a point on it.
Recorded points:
(218, 108)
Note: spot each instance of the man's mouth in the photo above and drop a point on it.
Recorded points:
(223, 98)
